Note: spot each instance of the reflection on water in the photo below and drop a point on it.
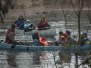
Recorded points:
(37, 59)
(19, 59)
(11, 60)
(26, 59)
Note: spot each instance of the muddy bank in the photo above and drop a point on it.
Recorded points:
(53, 13)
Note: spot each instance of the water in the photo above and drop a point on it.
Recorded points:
(25, 60)
(47, 59)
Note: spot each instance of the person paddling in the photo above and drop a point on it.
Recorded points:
(20, 22)
(43, 23)
(84, 38)
(38, 41)
(35, 38)
(63, 38)
(57, 42)
(10, 35)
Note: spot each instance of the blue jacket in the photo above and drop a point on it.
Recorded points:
(35, 36)
(20, 24)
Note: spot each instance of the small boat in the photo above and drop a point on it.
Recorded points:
(47, 32)
(30, 48)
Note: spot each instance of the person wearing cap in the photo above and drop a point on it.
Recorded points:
(10, 35)
(43, 23)
(69, 35)
(28, 26)
(20, 22)
(84, 38)
(63, 38)
(68, 32)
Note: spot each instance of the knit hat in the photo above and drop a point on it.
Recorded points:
(84, 33)
(28, 21)
(21, 16)
(68, 32)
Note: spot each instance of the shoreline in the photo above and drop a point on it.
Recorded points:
(35, 13)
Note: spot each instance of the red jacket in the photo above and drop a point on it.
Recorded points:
(7, 40)
(42, 23)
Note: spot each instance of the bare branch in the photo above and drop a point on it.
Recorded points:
(74, 7)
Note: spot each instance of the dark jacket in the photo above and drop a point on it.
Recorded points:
(35, 36)
(20, 23)
(10, 37)
(84, 40)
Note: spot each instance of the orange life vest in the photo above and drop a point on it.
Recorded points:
(7, 40)
(63, 38)
(42, 41)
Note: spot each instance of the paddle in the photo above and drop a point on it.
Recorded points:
(44, 28)
(20, 26)
(18, 43)
(13, 46)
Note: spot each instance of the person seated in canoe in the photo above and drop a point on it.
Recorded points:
(68, 32)
(42, 41)
(35, 37)
(84, 38)
(10, 35)
(37, 40)
(28, 25)
(43, 23)
(63, 38)
(57, 42)
(20, 22)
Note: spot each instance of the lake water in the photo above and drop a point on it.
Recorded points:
(47, 59)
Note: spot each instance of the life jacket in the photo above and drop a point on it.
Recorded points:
(42, 41)
(42, 23)
(65, 35)
(63, 38)
(26, 26)
(7, 40)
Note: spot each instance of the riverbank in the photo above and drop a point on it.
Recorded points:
(53, 13)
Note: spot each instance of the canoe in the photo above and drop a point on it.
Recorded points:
(4, 46)
(48, 32)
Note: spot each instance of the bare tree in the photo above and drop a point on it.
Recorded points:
(78, 10)
(88, 13)
(65, 8)
(4, 7)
